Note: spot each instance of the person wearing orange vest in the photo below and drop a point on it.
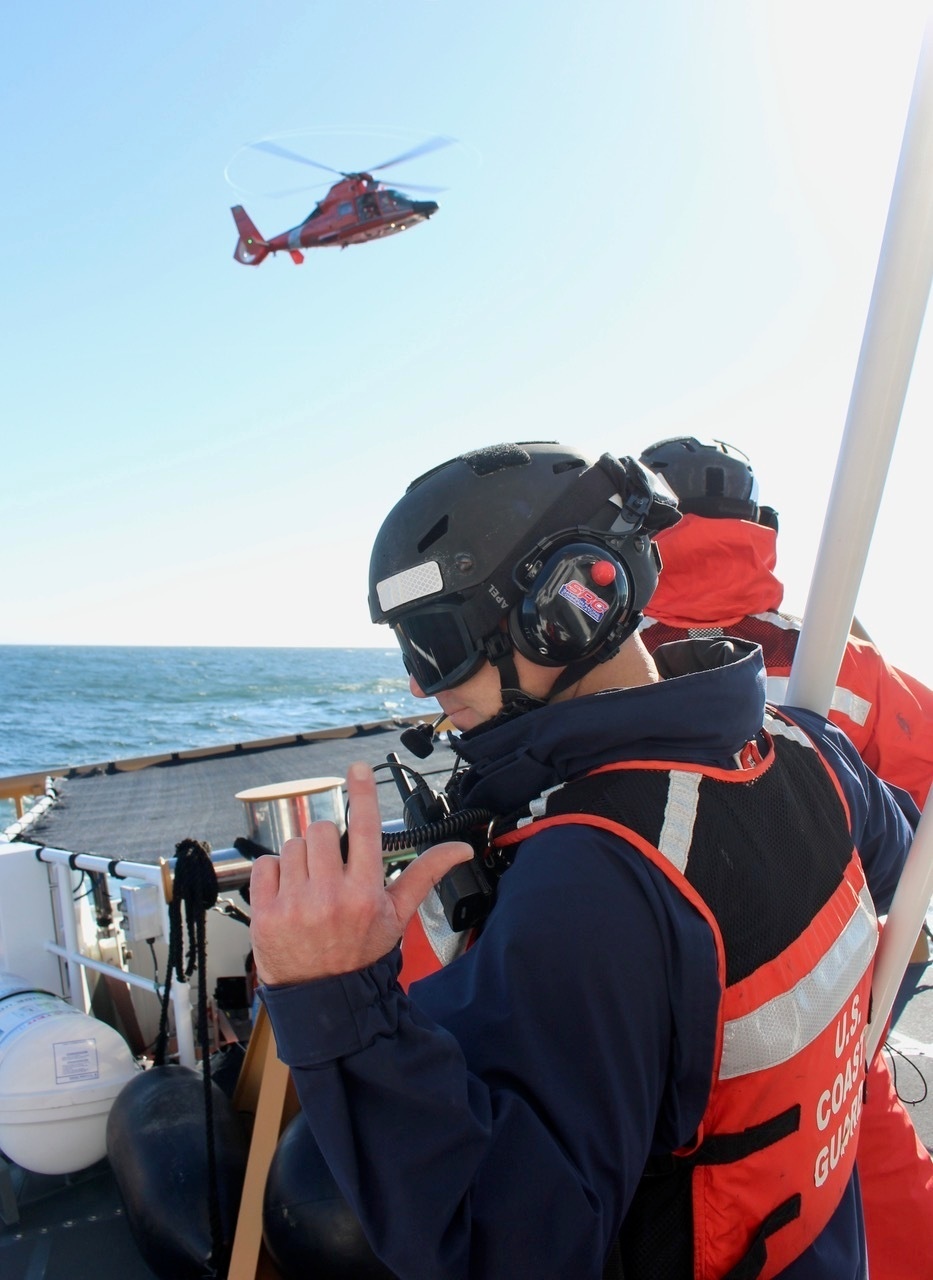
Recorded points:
(719, 579)
(650, 1059)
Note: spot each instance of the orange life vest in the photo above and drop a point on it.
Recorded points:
(763, 852)
(429, 943)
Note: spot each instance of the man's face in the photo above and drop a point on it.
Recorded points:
(470, 703)
(480, 698)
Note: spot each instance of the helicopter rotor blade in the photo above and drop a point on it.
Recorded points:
(432, 144)
(292, 191)
(274, 149)
(414, 186)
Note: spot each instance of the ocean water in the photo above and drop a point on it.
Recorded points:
(73, 704)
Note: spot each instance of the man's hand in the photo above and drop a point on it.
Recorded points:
(314, 915)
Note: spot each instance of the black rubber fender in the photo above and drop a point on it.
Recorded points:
(308, 1227)
(157, 1148)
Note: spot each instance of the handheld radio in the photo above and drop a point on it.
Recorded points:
(467, 891)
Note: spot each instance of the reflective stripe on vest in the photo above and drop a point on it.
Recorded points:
(782, 1026)
(429, 943)
(845, 701)
(776, 1147)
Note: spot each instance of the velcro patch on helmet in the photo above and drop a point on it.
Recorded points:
(495, 457)
(411, 584)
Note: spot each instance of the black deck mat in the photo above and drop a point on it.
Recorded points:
(142, 814)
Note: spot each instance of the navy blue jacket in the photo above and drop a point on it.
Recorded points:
(496, 1122)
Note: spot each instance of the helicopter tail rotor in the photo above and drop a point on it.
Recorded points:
(250, 248)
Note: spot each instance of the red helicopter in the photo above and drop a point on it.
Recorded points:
(356, 209)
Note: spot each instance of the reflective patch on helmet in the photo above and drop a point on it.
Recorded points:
(411, 584)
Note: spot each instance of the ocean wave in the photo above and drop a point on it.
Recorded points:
(73, 705)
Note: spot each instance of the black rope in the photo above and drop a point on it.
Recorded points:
(150, 943)
(77, 897)
(194, 887)
(894, 1055)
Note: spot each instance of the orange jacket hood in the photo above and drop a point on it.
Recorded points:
(715, 572)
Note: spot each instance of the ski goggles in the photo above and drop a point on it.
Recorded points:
(437, 648)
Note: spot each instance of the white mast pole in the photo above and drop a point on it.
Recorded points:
(892, 331)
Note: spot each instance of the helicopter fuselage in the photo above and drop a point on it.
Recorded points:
(355, 210)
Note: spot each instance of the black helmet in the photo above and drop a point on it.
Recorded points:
(532, 533)
(710, 479)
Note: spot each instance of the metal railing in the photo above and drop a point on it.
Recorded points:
(77, 961)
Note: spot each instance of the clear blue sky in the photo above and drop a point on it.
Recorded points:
(659, 218)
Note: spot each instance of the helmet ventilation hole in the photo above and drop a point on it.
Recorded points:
(434, 533)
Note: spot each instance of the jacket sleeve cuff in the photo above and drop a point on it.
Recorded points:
(319, 1021)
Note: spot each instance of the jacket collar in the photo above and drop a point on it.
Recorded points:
(709, 703)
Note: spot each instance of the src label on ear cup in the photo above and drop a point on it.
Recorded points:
(591, 604)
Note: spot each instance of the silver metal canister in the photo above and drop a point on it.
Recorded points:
(283, 809)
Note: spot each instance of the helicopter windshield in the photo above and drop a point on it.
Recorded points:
(390, 201)
(367, 207)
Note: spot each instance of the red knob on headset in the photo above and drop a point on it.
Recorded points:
(603, 573)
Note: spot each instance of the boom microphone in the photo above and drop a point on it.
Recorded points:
(419, 739)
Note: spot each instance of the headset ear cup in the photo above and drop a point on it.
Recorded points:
(571, 608)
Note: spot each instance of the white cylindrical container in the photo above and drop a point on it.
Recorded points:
(283, 809)
(60, 1070)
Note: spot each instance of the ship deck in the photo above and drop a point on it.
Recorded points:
(141, 809)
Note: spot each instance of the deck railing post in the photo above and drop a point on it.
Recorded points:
(892, 331)
(184, 1029)
(78, 991)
